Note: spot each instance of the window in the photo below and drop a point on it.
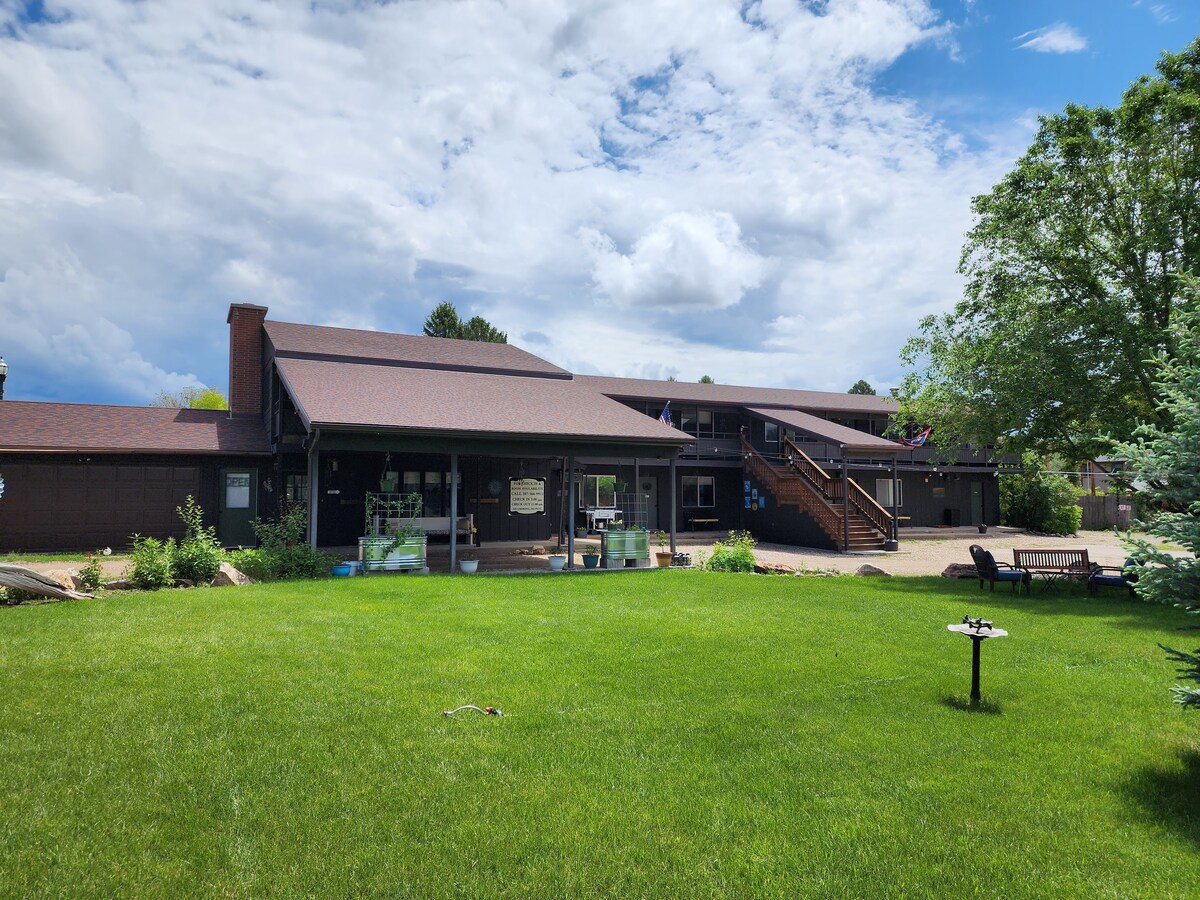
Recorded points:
(598, 491)
(296, 489)
(770, 432)
(687, 419)
(883, 492)
(698, 490)
(705, 419)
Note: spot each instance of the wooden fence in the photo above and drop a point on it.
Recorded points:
(1104, 511)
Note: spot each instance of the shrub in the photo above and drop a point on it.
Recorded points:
(283, 551)
(251, 563)
(91, 576)
(733, 555)
(1036, 500)
(151, 563)
(199, 555)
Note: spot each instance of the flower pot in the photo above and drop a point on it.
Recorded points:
(469, 566)
(590, 562)
(625, 545)
(557, 562)
(580, 532)
(982, 528)
(342, 570)
(664, 558)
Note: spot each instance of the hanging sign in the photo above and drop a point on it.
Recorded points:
(526, 496)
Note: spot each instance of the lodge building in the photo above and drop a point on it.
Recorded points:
(486, 434)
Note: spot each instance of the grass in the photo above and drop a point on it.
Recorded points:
(77, 558)
(665, 734)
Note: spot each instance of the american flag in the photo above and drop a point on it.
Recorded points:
(665, 418)
(918, 441)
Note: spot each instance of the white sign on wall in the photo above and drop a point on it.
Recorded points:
(526, 496)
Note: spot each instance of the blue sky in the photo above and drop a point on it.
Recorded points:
(769, 192)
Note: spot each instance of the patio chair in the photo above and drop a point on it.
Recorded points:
(990, 570)
(1113, 576)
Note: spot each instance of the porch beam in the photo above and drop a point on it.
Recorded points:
(845, 503)
(570, 523)
(453, 513)
(313, 476)
(671, 467)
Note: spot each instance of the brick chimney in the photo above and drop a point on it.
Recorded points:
(246, 358)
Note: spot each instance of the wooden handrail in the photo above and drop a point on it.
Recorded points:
(790, 443)
(870, 509)
(875, 503)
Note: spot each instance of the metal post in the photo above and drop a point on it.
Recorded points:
(453, 512)
(672, 471)
(571, 512)
(637, 488)
(975, 642)
(845, 502)
(893, 541)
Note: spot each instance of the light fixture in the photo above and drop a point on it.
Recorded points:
(3, 375)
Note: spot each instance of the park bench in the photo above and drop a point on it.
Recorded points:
(695, 522)
(1053, 564)
(438, 525)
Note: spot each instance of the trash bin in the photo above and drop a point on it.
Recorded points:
(952, 517)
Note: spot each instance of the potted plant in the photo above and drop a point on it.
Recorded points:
(390, 546)
(663, 556)
(983, 528)
(558, 560)
(622, 544)
(591, 556)
(468, 562)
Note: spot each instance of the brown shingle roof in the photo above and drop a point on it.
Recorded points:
(90, 428)
(323, 342)
(349, 394)
(687, 392)
(850, 438)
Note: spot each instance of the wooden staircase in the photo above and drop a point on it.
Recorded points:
(800, 481)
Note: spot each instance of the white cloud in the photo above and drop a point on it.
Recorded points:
(684, 261)
(1057, 38)
(718, 175)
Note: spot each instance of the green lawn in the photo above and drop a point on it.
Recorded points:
(666, 734)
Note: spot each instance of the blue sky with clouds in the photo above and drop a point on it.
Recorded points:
(768, 192)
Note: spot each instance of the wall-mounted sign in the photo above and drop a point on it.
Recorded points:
(526, 496)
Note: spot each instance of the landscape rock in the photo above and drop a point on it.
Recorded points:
(959, 570)
(228, 576)
(67, 578)
(866, 569)
(765, 568)
(118, 584)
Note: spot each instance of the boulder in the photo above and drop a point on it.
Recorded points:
(868, 570)
(959, 570)
(118, 584)
(763, 568)
(228, 575)
(68, 579)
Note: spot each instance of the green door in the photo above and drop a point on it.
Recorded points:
(238, 507)
(976, 503)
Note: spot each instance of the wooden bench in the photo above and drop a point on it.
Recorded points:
(696, 522)
(1053, 564)
(439, 525)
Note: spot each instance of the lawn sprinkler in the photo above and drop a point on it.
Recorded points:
(487, 710)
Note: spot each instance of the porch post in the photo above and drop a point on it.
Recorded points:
(637, 487)
(571, 512)
(845, 502)
(672, 471)
(893, 543)
(313, 473)
(453, 513)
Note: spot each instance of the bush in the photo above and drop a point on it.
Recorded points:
(151, 563)
(733, 555)
(283, 551)
(91, 576)
(199, 555)
(1038, 501)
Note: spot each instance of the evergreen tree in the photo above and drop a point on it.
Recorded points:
(480, 329)
(445, 322)
(862, 386)
(706, 379)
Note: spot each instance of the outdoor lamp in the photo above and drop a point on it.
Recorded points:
(3, 375)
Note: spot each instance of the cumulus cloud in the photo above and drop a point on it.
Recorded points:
(684, 261)
(721, 171)
(1057, 38)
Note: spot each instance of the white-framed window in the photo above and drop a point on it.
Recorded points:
(598, 492)
(883, 492)
(698, 490)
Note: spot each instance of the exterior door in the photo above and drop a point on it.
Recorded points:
(976, 503)
(649, 487)
(238, 507)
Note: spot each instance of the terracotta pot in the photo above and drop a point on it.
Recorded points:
(664, 558)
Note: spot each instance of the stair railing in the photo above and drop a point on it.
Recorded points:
(868, 507)
(792, 489)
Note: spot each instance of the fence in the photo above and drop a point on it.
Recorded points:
(1104, 511)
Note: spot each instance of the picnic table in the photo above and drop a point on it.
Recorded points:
(1053, 565)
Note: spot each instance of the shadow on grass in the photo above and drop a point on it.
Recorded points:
(1166, 793)
(987, 707)
(1071, 601)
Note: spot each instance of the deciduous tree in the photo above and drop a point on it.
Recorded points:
(1070, 278)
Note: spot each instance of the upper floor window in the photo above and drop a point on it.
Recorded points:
(770, 432)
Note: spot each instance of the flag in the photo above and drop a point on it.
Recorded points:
(665, 418)
(918, 441)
